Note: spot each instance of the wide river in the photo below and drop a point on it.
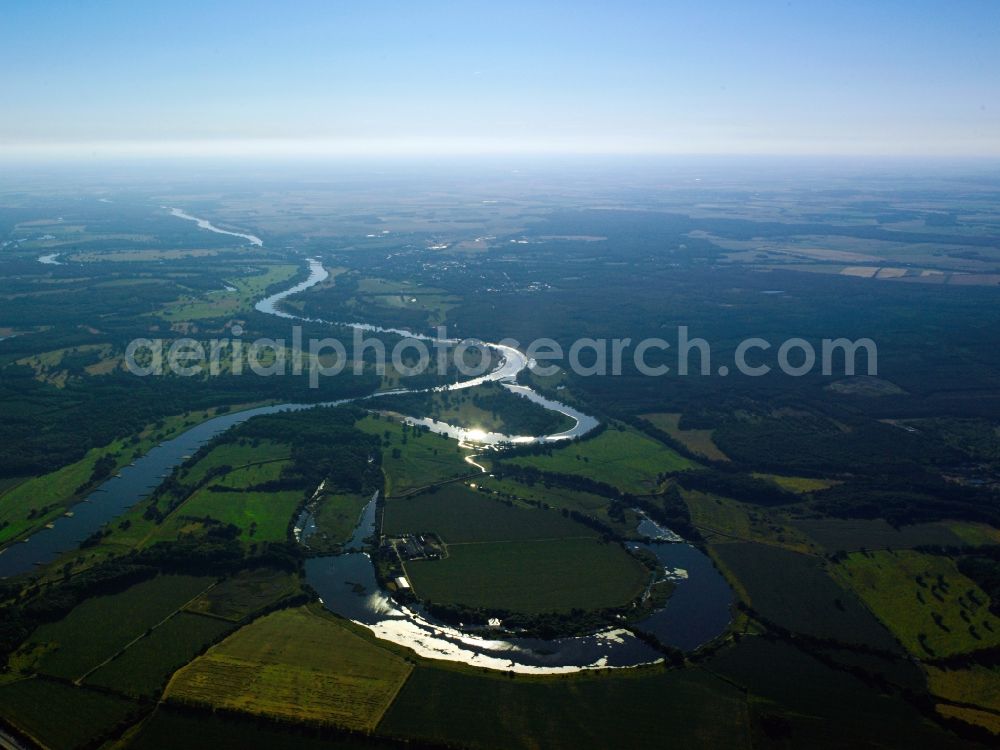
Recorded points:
(697, 611)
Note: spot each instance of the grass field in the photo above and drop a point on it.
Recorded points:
(335, 518)
(688, 708)
(626, 459)
(457, 513)
(235, 454)
(61, 716)
(422, 458)
(244, 593)
(696, 441)
(974, 534)
(928, 605)
(99, 627)
(297, 664)
(794, 591)
(721, 520)
(531, 576)
(261, 516)
(145, 666)
(796, 484)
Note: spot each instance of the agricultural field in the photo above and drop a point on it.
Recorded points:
(851, 534)
(298, 664)
(376, 292)
(696, 441)
(170, 728)
(624, 458)
(244, 593)
(61, 716)
(626, 710)
(413, 458)
(793, 690)
(457, 513)
(561, 498)
(100, 627)
(146, 665)
(794, 591)
(932, 609)
(531, 577)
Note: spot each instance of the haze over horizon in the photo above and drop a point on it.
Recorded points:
(249, 78)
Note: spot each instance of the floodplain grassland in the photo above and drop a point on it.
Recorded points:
(261, 516)
(458, 513)
(296, 664)
(696, 441)
(246, 290)
(626, 709)
(531, 577)
(235, 454)
(932, 608)
(60, 716)
(624, 458)
(414, 458)
(98, 628)
(226, 498)
(336, 516)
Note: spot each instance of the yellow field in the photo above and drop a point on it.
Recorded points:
(975, 534)
(976, 685)
(985, 719)
(698, 441)
(297, 664)
(796, 484)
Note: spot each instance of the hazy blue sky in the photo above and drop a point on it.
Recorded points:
(748, 76)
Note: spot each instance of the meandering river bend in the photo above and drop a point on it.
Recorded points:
(698, 610)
